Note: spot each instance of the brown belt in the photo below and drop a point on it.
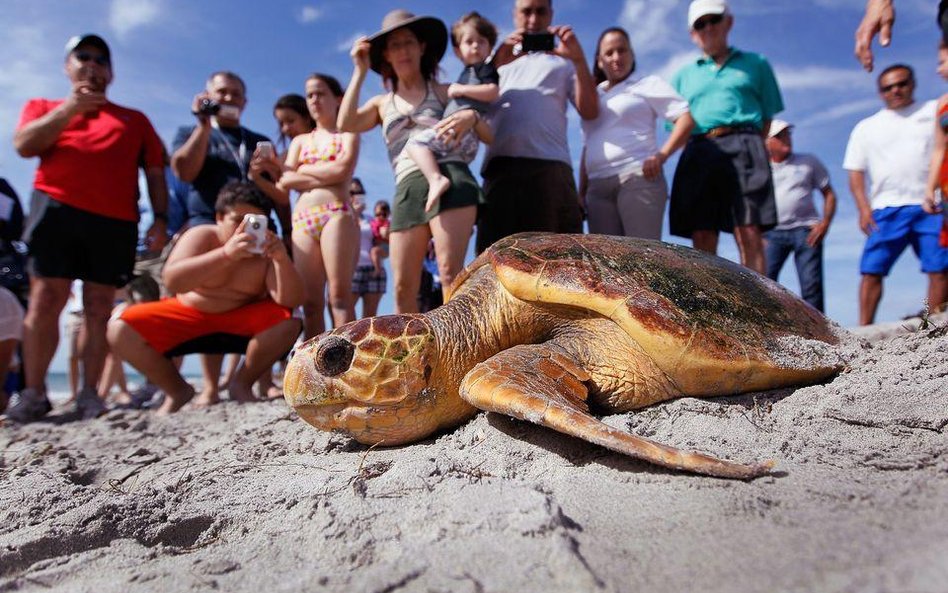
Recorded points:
(727, 130)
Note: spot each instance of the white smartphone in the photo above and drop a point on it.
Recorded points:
(266, 149)
(256, 225)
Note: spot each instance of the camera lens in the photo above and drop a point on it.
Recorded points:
(209, 107)
(256, 226)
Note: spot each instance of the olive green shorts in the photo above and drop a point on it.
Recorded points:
(411, 193)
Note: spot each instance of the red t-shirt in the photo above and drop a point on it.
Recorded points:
(94, 163)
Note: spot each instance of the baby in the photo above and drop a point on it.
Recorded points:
(472, 37)
(380, 225)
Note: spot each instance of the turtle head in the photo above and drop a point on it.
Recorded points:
(371, 378)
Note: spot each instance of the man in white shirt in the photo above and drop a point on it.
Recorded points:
(893, 147)
(528, 176)
(800, 229)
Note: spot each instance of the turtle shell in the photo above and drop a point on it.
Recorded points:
(711, 325)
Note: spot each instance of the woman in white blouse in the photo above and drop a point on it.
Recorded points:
(621, 179)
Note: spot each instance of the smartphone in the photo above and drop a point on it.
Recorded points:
(537, 42)
(266, 149)
(256, 225)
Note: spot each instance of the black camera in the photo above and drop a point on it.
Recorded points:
(209, 107)
(537, 42)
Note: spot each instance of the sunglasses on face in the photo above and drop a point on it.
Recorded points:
(714, 19)
(901, 84)
(356, 193)
(84, 56)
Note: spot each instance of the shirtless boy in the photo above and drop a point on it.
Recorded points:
(221, 286)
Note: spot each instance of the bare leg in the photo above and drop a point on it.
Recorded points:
(7, 348)
(74, 327)
(48, 296)
(437, 183)
(211, 373)
(232, 361)
(452, 232)
(705, 241)
(340, 243)
(870, 293)
(149, 362)
(263, 350)
(937, 291)
(750, 244)
(377, 254)
(370, 303)
(406, 251)
(308, 261)
(97, 301)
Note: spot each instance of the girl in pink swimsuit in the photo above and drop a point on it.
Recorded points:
(325, 233)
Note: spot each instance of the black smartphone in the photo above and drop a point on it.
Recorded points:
(538, 42)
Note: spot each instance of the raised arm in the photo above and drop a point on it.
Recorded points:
(197, 258)
(38, 135)
(353, 118)
(877, 20)
(585, 98)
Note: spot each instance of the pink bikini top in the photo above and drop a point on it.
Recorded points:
(311, 153)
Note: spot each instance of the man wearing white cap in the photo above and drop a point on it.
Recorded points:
(723, 181)
(800, 229)
(83, 216)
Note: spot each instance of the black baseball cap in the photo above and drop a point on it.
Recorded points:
(88, 39)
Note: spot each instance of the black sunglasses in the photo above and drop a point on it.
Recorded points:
(84, 56)
(902, 84)
(357, 193)
(714, 19)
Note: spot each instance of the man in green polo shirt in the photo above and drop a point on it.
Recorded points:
(723, 180)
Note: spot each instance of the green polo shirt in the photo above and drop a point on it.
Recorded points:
(741, 92)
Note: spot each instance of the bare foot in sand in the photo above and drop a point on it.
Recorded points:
(174, 402)
(241, 393)
(207, 398)
(274, 392)
(436, 188)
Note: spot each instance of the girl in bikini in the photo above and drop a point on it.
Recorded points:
(325, 233)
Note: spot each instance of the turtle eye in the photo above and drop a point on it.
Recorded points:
(334, 355)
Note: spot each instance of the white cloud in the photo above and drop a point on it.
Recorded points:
(653, 26)
(345, 46)
(128, 15)
(795, 78)
(675, 63)
(309, 14)
(841, 111)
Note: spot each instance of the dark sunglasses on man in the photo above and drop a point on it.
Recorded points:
(84, 56)
(899, 84)
(714, 19)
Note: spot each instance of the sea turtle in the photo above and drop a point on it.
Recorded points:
(544, 327)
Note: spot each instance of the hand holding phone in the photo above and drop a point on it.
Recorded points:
(265, 149)
(256, 225)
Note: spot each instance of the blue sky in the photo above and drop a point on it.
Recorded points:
(164, 49)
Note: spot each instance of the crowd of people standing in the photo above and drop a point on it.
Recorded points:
(271, 228)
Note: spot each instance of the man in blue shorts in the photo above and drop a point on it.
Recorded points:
(893, 147)
(83, 220)
(723, 180)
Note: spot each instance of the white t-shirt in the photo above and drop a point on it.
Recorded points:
(529, 116)
(893, 147)
(623, 136)
(795, 179)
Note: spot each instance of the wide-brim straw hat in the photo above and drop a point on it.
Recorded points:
(427, 29)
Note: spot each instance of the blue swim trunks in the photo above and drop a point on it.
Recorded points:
(899, 227)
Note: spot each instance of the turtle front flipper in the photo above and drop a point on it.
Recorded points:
(541, 385)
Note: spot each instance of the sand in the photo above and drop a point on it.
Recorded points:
(247, 498)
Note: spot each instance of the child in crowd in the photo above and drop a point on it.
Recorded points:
(222, 285)
(472, 37)
(380, 225)
(938, 170)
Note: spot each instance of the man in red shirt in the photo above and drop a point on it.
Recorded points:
(83, 216)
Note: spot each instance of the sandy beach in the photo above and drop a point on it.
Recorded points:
(248, 498)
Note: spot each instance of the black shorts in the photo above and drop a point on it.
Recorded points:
(66, 242)
(721, 183)
(523, 194)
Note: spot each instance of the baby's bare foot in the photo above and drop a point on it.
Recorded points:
(436, 188)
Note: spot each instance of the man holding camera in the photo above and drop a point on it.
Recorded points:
(83, 220)
(217, 149)
(528, 176)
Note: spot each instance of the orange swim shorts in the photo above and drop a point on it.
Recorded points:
(168, 323)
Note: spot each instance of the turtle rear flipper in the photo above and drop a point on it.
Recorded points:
(541, 385)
